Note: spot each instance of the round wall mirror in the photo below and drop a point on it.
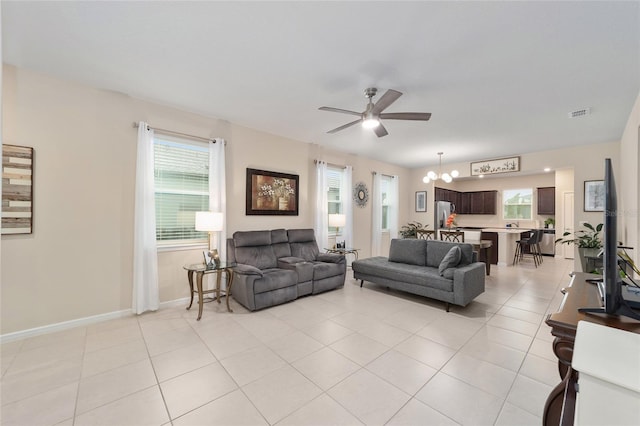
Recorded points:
(360, 194)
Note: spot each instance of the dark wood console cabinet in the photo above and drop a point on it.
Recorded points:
(560, 406)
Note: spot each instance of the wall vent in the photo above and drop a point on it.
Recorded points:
(580, 113)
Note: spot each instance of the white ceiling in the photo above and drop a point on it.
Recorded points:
(499, 77)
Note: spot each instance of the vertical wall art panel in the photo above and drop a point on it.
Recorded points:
(17, 189)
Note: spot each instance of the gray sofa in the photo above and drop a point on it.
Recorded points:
(277, 266)
(428, 268)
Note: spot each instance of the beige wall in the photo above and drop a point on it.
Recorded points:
(78, 261)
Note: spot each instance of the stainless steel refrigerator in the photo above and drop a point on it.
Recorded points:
(442, 211)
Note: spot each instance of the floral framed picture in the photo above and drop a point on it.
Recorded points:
(272, 193)
(594, 195)
(421, 201)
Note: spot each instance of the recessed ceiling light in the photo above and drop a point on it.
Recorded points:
(547, 169)
(480, 176)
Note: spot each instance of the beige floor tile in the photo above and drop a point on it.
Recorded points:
(228, 340)
(162, 325)
(145, 407)
(417, 413)
(171, 364)
(127, 321)
(321, 411)
(426, 351)
(540, 369)
(196, 388)
(280, 393)
(353, 320)
(368, 397)
(359, 349)
(265, 327)
(386, 334)
(481, 374)
(532, 306)
(47, 408)
(502, 336)
(495, 353)
(71, 336)
(112, 357)
(232, 409)
(114, 384)
(327, 332)
(11, 348)
(45, 356)
(402, 371)
(460, 401)
(529, 395)
(16, 387)
(512, 415)
(125, 331)
(514, 324)
(450, 331)
(326, 367)
(252, 364)
(294, 346)
(543, 349)
(171, 340)
(413, 319)
(521, 314)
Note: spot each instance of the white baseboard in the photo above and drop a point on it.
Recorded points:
(65, 325)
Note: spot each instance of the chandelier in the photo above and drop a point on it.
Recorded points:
(447, 177)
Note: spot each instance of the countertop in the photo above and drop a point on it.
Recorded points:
(506, 230)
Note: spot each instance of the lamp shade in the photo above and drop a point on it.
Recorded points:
(209, 221)
(337, 220)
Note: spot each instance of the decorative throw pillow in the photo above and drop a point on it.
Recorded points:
(450, 260)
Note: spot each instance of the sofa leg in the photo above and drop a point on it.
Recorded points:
(361, 282)
(447, 307)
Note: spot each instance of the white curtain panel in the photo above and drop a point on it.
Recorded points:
(217, 193)
(322, 205)
(394, 201)
(347, 205)
(146, 296)
(376, 216)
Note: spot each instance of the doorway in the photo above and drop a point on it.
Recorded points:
(567, 220)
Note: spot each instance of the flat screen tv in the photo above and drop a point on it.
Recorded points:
(614, 304)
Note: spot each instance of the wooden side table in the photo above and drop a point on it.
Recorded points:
(200, 270)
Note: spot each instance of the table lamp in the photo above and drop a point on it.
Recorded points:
(210, 222)
(338, 221)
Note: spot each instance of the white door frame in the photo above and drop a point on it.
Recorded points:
(567, 222)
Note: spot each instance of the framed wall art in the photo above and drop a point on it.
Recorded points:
(500, 165)
(272, 193)
(421, 201)
(594, 196)
(17, 189)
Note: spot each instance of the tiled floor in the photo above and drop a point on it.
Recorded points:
(347, 357)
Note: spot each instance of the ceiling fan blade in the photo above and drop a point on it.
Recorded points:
(389, 97)
(344, 111)
(422, 116)
(337, 129)
(380, 130)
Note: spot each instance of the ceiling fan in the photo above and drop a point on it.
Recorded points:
(372, 115)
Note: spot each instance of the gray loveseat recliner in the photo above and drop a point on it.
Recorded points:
(278, 266)
(426, 268)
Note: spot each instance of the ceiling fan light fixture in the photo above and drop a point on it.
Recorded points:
(370, 123)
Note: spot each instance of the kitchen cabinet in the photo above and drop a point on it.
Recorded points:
(476, 202)
(464, 205)
(493, 253)
(547, 201)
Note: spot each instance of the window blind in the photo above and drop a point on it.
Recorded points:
(181, 188)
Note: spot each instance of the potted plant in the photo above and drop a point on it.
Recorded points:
(587, 240)
(549, 222)
(409, 230)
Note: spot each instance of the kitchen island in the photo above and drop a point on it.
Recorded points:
(507, 238)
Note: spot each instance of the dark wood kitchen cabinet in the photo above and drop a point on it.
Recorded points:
(547, 200)
(475, 202)
(489, 201)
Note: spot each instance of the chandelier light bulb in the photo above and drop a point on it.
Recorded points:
(447, 178)
(432, 175)
(426, 179)
(444, 176)
(455, 173)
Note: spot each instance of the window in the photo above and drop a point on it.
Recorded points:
(334, 177)
(181, 175)
(385, 188)
(516, 204)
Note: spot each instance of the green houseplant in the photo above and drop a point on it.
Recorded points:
(409, 230)
(587, 240)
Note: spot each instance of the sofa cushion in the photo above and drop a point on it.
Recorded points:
(323, 270)
(251, 238)
(450, 260)
(437, 250)
(402, 272)
(410, 251)
(280, 243)
(303, 244)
